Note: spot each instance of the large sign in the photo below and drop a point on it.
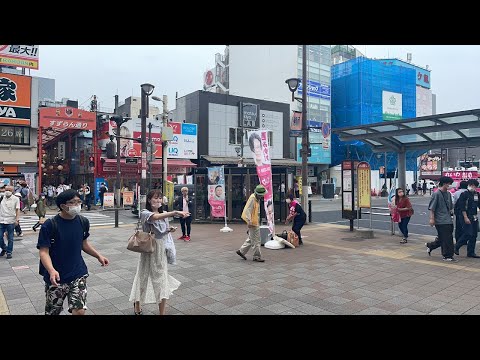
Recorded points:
(248, 115)
(127, 198)
(25, 56)
(316, 90)
(108, 199)
(61, 150)
(364, 186)
(461, 175)
(209, 79)
(296, 124)
(430, 165)
(391, 105)
(184, 141)
(15, 97)
(67, 118)
(216, 191)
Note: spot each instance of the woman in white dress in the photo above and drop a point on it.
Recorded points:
(152, 284)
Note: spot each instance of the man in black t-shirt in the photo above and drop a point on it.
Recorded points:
(61, 263)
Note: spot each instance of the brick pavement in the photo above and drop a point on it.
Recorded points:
(335, 272)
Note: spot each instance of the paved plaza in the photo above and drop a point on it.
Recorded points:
(335, 272)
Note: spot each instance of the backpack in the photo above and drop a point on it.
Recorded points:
(83, 220)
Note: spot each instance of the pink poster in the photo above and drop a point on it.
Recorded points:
(216, 191)
(258, 141)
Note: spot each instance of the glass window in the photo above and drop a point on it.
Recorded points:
(270, 138)
(232, 136)
(239, 136)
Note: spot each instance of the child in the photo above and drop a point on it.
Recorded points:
(40, 210)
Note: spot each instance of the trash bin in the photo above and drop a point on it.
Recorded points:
(328, 191)
(264, 232)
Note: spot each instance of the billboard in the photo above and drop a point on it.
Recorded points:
(316, 90)
(15, 99)
(391, 106)
(296, 124)
(67, 118)
(25, 56)
(209, 79)
(184, 142)
(320, 142)
(248, 115)
(424, 101)
(430, 165)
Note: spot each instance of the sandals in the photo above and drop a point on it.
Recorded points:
(403, 241)
(135, 311)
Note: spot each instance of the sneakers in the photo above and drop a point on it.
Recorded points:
(259, 259)
(451, 259)
(9, 256)
(403, 241)
(3, 252)
(456, 252)
(241, 255)
(428, 250)
(186, 238)
(181, 237)
(474, 256)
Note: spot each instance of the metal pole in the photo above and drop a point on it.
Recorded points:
(164, 144)
(304, 129)
(144, 115)
(385, 172)
(40, 159)
(151, 155)
(117, 185)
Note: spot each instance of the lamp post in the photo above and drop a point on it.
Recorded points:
(146, 91)
(150, 153)
(119, 120)
(293, 86)
(164, 101)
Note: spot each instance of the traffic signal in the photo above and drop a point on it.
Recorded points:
(91, 161)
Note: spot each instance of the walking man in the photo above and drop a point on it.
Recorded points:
(9, 218)
(88, 196)
(458, 213)
(251, 215)
(60, 244)
(467, 209)
(441, 213)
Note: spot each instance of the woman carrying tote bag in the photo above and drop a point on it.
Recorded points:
(152, 284)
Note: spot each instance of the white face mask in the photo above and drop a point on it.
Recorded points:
(43, 197)
(8, 193)
(74, 210)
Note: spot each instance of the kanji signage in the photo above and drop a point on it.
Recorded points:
(67, 118)
(364, 193)
(461, 175)
(25, 56)
(15, 99)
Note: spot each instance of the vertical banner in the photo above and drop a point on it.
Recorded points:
(98, 183)
(169, 189)
(61, 149)
(364, 187)
(30, 180)
(216, 191)
(261, 157)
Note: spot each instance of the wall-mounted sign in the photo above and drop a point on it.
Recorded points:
(15, 99)
(248, 115)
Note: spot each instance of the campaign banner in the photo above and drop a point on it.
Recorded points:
(127, 198)
(216, 191)
(261, 157)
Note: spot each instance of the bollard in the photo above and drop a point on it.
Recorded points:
(309, 211)
(116, 217)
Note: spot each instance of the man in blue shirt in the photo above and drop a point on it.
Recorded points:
(61, 262)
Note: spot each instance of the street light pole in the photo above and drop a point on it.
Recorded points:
(151, 155)
(146, 91)
(304, 129)
(164, 144)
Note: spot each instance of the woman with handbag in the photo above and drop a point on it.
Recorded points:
(152, 284)
(405, 210)
(297, 214)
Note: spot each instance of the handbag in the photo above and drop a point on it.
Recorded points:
(293, 238)
(142, 242)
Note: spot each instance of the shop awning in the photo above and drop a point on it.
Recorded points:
(131, 167)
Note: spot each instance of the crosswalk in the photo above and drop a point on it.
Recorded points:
(96, 219)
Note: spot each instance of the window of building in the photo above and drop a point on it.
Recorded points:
(15, 135)
(235, 136)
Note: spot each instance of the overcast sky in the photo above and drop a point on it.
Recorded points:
(106, 70)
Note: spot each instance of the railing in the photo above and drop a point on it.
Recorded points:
(386, 212)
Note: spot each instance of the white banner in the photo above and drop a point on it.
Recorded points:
(30, 180)
(61, 149)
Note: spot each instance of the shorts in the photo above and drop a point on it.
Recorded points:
(76, 291)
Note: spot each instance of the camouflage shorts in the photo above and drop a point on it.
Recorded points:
(76, 292)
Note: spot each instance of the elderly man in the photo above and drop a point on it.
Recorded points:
(9, 217)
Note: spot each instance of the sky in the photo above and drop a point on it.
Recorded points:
(81, 71)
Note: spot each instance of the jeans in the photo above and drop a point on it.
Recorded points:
(403, 226)
(469, 234)
(297, 226)
(8, 228)
(188, 222)
(87, 201)
(458, 227)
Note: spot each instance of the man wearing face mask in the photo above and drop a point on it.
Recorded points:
(60, 244)
(467, 208)
(9, 218)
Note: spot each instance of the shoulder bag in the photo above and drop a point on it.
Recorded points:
(142, 242)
